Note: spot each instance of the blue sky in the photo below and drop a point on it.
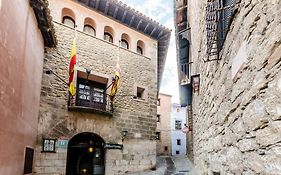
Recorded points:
(162, 12)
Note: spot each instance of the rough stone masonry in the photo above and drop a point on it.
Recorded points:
(237, 113)
(136, 116)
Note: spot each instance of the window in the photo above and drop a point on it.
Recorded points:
(158, 118)
(222, 11)
(140, 92)
(68, 21)
(124, 44)
(178, 141)
(140, 47)
(216, 173)
(49, 145)
(91, 94)
(108, 37)
(158, 102)
(139, 50)
(28, 160)
(157, 135)
(178, 125)
(177, 152)
(89, 30)
(178, 110)
(166, 148)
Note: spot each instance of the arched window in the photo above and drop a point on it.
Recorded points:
(124, 44)
(68, 21)
(125, 41)
(140, 47)
(107, 37)
(139, 50)
(89, 30)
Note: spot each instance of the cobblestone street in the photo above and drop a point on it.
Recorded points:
(170, 165)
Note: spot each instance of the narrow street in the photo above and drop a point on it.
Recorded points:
(170, 165)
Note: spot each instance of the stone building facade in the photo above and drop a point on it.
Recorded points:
(22, 53)
(236, 109)
(164, 129)
(117, 137)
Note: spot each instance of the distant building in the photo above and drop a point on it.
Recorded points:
(25, 32)
(163, 131)
(178, 123)
(88, 133)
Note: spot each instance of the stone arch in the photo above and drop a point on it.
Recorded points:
(125, 37)
(85, 154)
(109, 30)
(140, 45)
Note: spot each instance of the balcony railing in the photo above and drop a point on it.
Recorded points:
(100, 106)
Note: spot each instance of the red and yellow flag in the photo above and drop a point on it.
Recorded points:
(116, 83)
(71, 67)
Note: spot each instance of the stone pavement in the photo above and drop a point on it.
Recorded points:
(170, 165)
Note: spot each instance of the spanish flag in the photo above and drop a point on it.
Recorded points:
(115, 83)
(71, 67)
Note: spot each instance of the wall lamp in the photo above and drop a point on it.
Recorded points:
(124, 134)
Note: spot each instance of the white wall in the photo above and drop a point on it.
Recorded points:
(178, 134)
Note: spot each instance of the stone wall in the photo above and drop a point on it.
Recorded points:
(135, 115)
(237, 114)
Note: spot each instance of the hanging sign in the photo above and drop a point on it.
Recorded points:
(113, 146)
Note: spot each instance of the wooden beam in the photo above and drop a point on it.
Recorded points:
(146, 27)
(115, 12)
(138, 26)
(132, 19)
(151, 33)
(106, 7)
(97, 4)
(124, 16)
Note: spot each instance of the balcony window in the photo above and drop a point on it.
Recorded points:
(91, 94)
(124, 44)
(89, 30)
(139, 50)
(68, 21)
(108, 37)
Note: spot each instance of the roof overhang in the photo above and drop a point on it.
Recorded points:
(122, 13)
(44, 20)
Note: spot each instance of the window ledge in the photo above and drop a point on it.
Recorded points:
(90, 110)
(140, 100)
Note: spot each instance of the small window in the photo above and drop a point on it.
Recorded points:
(177, 152)
(139, 50)
(158, 102)
(178, 141)
(89, 30)
(166, 148)
(178, 110)
(68, 21)
(124, 44)
(158, 118)
(140, 92)
(108, 37)
(157, 135)
(216, 173)
(178, 125)
(28, 160)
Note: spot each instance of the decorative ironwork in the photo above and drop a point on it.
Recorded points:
(49, 145)
(218, 19)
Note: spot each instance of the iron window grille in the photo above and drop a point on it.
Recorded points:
(178, 125)
(91, 94)
(49, 145)
(219, 14)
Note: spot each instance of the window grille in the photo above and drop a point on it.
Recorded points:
(218, 19)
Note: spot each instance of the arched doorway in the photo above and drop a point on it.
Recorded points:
(85, 155)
